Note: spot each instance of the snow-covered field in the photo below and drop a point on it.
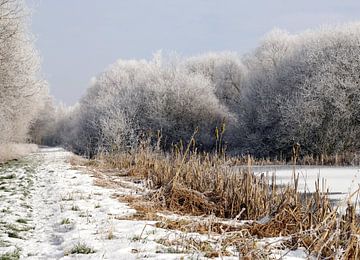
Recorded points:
(48, 210)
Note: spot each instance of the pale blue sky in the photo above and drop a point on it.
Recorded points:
(79, 38)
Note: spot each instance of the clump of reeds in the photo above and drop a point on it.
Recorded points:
(337, 159)
(189, 182)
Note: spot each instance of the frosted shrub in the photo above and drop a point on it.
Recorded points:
(259, 110)
(133, 98)
(303, 88)
(226, 72)
(325, 112)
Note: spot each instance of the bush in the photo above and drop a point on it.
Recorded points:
(133, 99)
(303, 88)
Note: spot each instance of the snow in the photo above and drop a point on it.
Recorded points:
(340, 181)
(51, 208)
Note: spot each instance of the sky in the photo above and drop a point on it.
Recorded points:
(78, 39)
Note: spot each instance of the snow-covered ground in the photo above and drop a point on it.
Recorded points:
(48, 210)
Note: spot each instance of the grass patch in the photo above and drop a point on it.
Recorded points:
(25, 205)
(75, 208)
(7, 210)
(81, 248)
(13, 234)
(18, 229)
(4, 243)
(8, 177)
(5, 189)
(22, 221)
(183, 245)
(65, 221)
(15, 255)
(85, 215)
(69, 197)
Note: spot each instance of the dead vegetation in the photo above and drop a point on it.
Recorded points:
(337, 159)
(202, 184)
(14, 151)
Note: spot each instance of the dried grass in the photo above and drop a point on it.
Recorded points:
(13, 151)
(338, 159)
(188, 182)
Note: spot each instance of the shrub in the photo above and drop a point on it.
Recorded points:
(134, 98)
(303, 88)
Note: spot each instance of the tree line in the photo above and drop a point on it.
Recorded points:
(292, 88)
(301, 88)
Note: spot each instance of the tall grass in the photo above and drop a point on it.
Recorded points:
(189, 182)
(14, 151)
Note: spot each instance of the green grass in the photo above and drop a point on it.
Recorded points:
(75, 208)
(25, 205)
(4, 243)
(22, 221)
(11, 255)
(65, 221)
(81, 248)
(14, 234)
(7, 210)
(8, 177)
(15, 228)
(5, 189)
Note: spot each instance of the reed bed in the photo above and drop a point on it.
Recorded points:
(189, 182)
(338, 159)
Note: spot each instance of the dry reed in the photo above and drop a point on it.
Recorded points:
(188, 182)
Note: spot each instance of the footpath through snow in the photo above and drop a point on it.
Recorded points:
(50, 211)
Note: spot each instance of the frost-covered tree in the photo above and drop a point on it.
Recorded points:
(303, 88)
(227, 73)
(133, 98)
(324, 115)
(22, 90)
(259, 109)
(225, 70)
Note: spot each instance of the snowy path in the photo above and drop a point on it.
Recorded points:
(50, 211)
